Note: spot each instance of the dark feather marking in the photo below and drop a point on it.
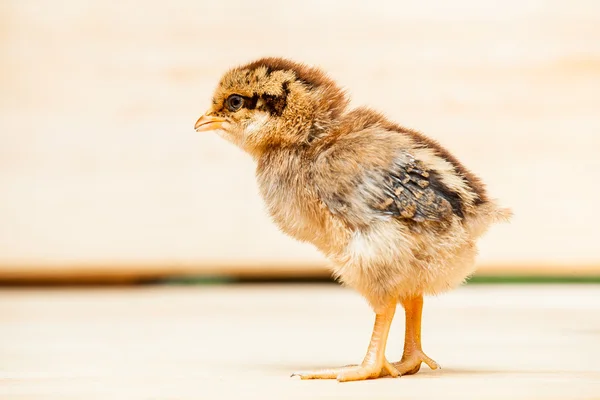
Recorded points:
(285, 87)
(413, 193)
(370, 117)
(276, 104)
(269, 70)
(300, 77)
(250, 102)
(311, 77)
(452, 197)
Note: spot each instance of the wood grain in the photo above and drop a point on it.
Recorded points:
(100, 166)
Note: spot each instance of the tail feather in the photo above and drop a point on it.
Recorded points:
(486, 215)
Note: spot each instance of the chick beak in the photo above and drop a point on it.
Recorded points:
(208, 123)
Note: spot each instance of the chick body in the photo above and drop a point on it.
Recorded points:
(395, 213)
(328, 194)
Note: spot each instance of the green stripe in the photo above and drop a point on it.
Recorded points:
(532, 279)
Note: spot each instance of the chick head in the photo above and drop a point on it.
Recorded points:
(273, 102)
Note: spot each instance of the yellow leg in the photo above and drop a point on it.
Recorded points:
(413, 353)
(374, 364)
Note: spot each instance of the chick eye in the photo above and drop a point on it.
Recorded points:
(234, 102)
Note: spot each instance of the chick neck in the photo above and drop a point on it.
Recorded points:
(303, 125)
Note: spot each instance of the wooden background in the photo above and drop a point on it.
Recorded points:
(101, 173)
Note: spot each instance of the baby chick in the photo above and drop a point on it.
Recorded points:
(396, 214)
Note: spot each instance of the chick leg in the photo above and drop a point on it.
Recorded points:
(374, 364)
(413, 353)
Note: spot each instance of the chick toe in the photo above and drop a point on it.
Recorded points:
(411, 364)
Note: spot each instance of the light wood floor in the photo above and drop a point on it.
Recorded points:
(222, 342)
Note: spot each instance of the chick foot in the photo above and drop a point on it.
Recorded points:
(413, 354)
(352, 372)
(411, 364)
(374, 364)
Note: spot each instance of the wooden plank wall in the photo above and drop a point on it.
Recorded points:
(101, 172)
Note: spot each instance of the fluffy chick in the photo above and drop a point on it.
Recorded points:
(396, 214)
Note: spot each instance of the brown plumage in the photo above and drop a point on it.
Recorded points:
(396, 214)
